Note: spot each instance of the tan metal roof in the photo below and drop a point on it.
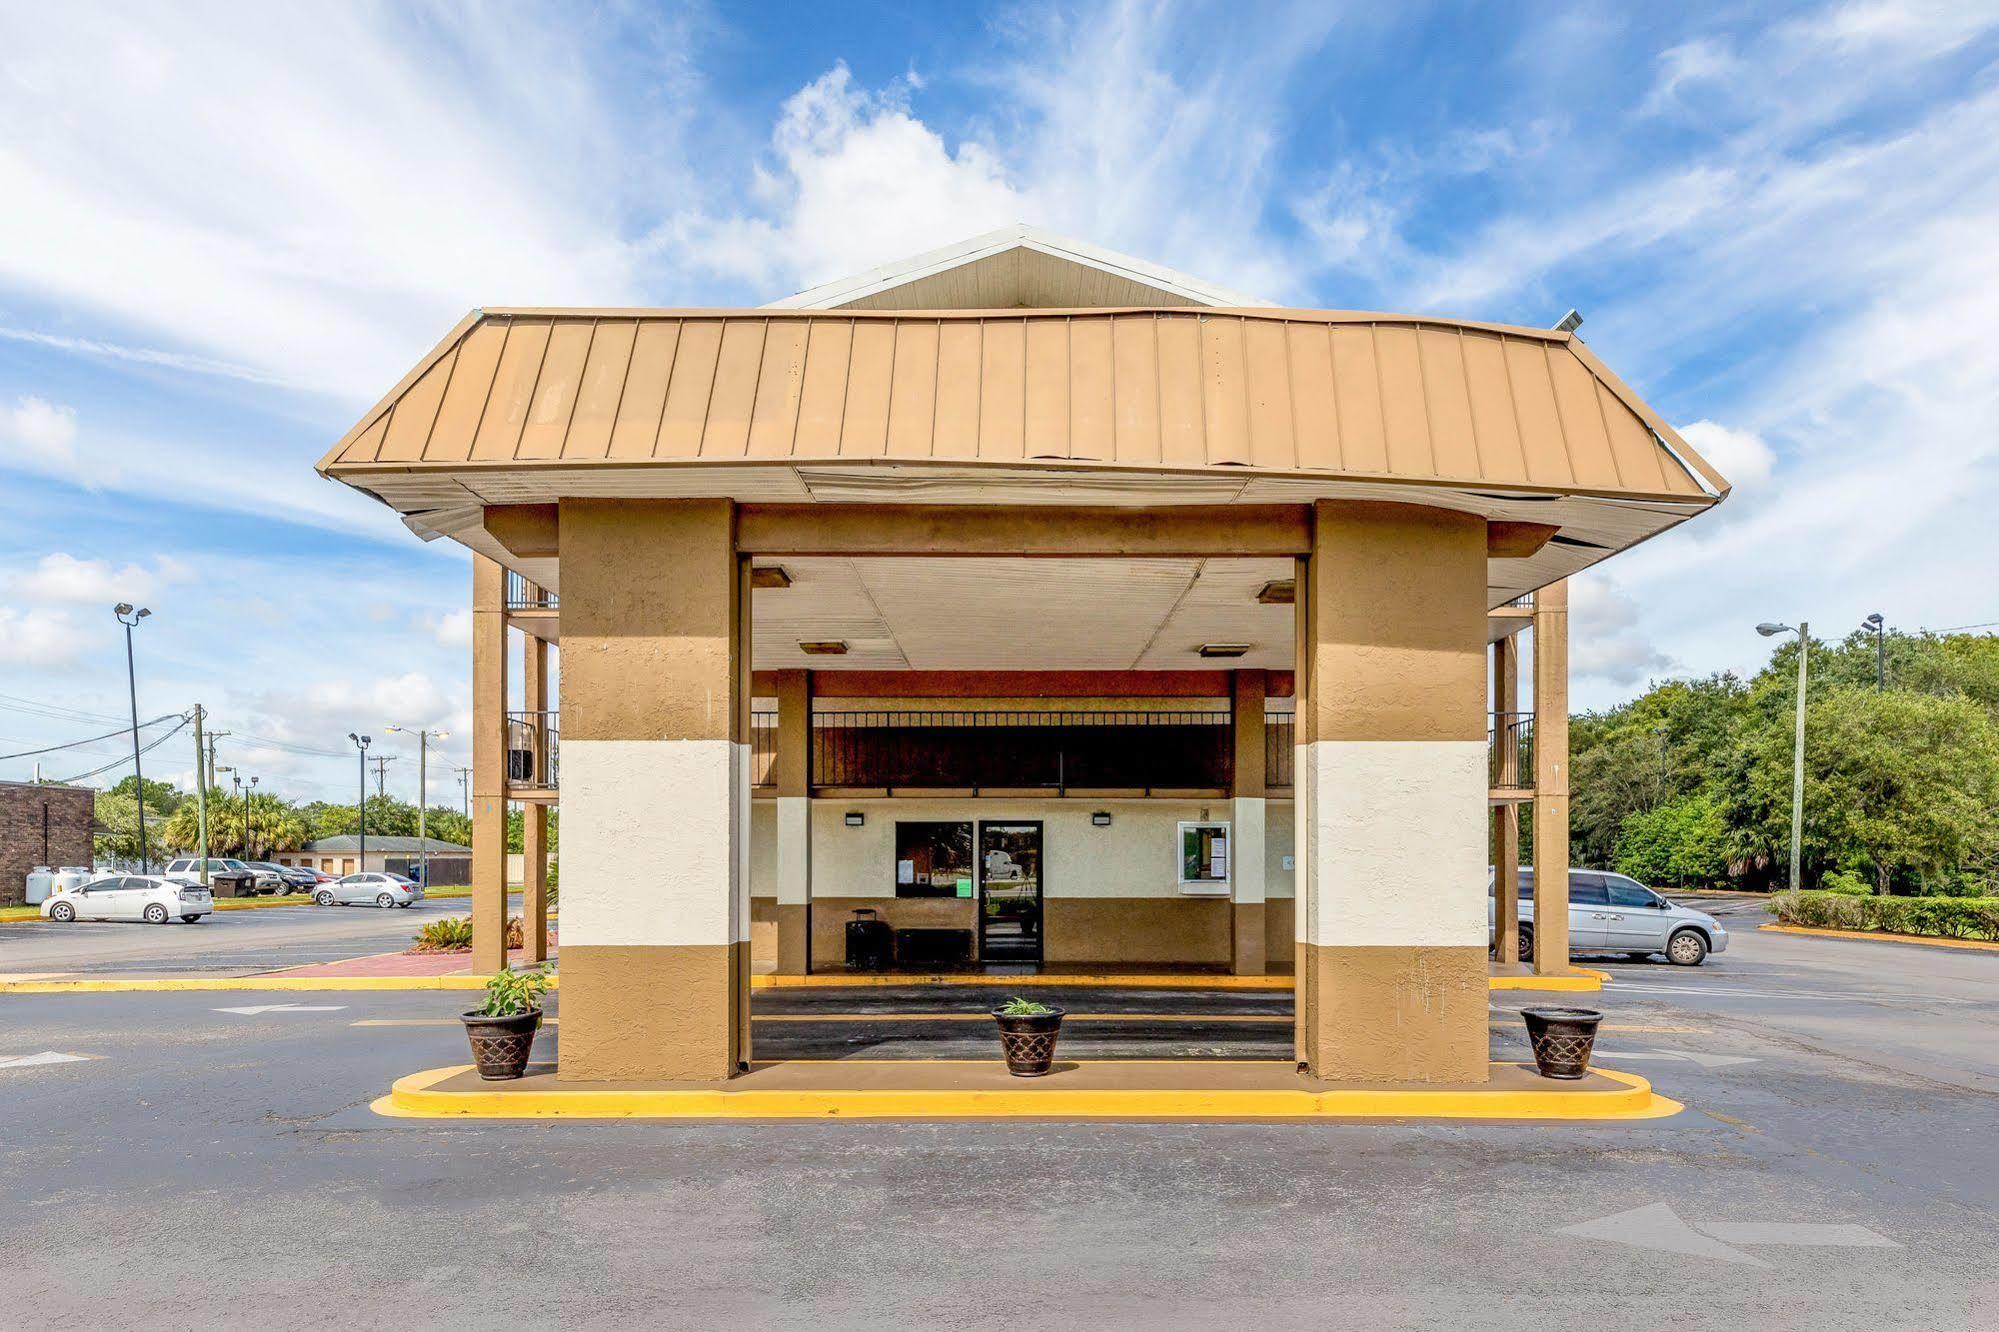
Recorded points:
(1368, 397)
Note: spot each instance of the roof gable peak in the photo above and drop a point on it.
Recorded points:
(1015, 267)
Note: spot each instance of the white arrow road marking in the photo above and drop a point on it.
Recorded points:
(1658, 1226)
(45, 1057)
(1704, 1060)
(254, 1009)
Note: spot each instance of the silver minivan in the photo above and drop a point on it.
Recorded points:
(1610, 913)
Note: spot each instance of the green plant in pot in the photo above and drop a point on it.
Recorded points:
(502, 1031)
(1028, 1031)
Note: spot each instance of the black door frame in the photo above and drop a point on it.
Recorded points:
(1040, 885)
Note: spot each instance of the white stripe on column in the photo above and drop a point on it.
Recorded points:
(1398, 829)
(649, 847)
(794, 850)
(1246, 849)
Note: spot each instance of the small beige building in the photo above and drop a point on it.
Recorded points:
(1056, 609)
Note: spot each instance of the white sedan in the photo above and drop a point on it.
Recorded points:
(144, 897)
(382, 890)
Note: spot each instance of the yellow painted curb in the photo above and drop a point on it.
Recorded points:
(416, 1097)
(1579, 980)
(1883, 936)
(217, 983)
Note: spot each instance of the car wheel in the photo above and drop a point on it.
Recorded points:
(155, 914)
(1526, 943)
(190, 919)
(1686, 949)
(323, 899)
(63, 912)
(385, 901)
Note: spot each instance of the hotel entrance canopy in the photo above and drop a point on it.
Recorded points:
(1179, 402)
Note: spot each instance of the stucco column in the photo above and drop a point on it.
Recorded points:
(489, 766)
(1551, 779)
(1246, 824)
(534, 816)
(655, 791)
(792, 764)
(1506, 814)
(1391, 976)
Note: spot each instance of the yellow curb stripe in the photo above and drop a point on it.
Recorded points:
(1579, 980)
(1883, 936)
(1100, 980)
(416, 1097)
(199, 984)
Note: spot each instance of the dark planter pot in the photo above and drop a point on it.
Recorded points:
(500, 1045)
(1029, 1042)
(1562, 1039)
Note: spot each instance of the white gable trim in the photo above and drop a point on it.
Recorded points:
(843, 291)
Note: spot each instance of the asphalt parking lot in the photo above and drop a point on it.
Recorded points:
(209, 1159)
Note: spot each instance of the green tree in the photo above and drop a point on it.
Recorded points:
(162, 796)
(117, 814)
(1683, 843)
(1900, 786)
(274, 825)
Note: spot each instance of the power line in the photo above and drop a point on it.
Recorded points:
(1960, 628)
(122, 761)
(78, 744)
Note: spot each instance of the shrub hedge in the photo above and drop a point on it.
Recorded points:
(1938, 917)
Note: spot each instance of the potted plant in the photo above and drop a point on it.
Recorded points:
(1027, 1033)
(502, 1032)
(1562, 1039)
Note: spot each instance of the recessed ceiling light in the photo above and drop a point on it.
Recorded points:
(770, 576)
(1282, 592)
(1223, 649)
(831, 647)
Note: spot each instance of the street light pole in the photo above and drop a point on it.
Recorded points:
(121, 610)
(1804, 633)
(423, 739)
(248, 848)
(1880, 628)
(361, 743)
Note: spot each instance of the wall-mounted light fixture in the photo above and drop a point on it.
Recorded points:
(855, 818)
(769, 575)
(1281, 592)
(1102, 818)
(829, 647)
(1223, 649)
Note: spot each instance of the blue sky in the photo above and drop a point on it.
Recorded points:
(221, 239)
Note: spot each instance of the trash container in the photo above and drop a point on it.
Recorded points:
(869, 941)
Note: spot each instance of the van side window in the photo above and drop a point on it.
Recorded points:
(1588, 890)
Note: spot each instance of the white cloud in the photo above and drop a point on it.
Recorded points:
(38, 639)
(452, 630)
(38, 432)
(1605, 640)
(61, 578)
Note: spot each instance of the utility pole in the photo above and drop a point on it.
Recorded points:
(465, 790)
(213, 736)
(423, 738)
(382, 762)
(201, 793)
(361, 743)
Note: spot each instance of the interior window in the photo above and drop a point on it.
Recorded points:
(1204, 853)
(933, 860)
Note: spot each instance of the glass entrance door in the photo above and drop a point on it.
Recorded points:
(1010, 892)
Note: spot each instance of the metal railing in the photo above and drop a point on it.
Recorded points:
(522, 594)
(1053, 750)
(763, 748)
(532, 745)
(1280, 738)
(1510, 746)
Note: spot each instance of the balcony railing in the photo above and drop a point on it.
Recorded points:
(1510, 745)
(532, 749)
(524, 595)
(1280, 738)
(1053, 750)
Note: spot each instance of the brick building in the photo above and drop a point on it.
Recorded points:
(41, 825)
